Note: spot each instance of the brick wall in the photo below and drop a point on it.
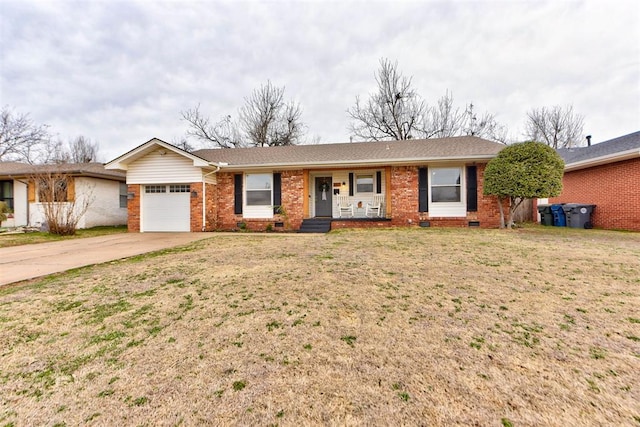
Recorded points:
(292, 202)
(196, 207)
(404, 196)
(211, 207)
(613, 188)
(133, 208)
(404, 207)
(292, 199)
(225, 198)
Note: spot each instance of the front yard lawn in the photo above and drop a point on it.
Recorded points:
(15, 239)
(532, 327)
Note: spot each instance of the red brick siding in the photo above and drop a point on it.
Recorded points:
(403, 190)
(292, 198)
(196, 207)
(404, 196)
(614, 189)
(212, 207)
(133, 208)
(227, 220)
(292, 201)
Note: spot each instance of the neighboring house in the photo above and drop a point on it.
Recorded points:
(434, 182)
(606, 175)
(21, 188)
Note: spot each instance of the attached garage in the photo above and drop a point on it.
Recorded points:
(166, 207)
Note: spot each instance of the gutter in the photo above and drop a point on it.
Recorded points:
(204, 193)
(357, 163)
(609, 158)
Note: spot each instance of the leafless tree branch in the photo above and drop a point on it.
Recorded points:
(556, 126)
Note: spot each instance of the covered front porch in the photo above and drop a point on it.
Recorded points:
(349, 197)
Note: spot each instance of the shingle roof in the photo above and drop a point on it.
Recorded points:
(16, 169)
(383, 152)
(606, 148)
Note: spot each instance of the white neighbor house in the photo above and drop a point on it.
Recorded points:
(106, 190)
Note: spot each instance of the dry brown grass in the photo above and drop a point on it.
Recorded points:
(536, 327)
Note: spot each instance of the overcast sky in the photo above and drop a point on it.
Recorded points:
(120, 72)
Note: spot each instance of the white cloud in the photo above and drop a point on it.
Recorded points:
(121, 72)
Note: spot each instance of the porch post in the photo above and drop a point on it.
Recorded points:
(305, 193)
(387, 195)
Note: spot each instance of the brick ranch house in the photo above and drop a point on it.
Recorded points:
(433, 182)
(606, 175)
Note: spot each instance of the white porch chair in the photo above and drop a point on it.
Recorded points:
(345, 207)
(374, 207)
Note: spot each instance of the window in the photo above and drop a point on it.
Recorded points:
(155, 188)
(445, 185)
(364, 183)
(52, 189)
(6, 193)
(181, 188)
(258, 190)
(123, 195)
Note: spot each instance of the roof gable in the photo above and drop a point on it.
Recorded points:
(153, 144)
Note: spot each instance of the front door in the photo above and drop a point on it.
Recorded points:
(324, 206)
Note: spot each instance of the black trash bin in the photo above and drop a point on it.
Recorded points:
(578, 215)
(559, 219)
(546, 217)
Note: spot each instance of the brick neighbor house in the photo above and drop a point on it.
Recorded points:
(606, 175)
(433, 182)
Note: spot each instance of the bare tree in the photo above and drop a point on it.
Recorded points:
(558, 127)
(223, 134)
(62, 206)
(82, 150)
(444, 120)
(183, 144)
(484, 127)
(265, 119)
(395, 111)
(77, 150)
(268, 120)
(20, 138)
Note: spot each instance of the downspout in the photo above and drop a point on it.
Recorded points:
(204, 193)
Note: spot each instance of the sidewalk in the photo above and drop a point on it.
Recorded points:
(26, 262)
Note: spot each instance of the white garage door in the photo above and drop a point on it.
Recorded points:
(166, 208)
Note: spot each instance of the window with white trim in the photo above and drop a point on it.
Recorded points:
(445, 185)
(6, 193)
(258, 189)
(123, 195)
(364, 183)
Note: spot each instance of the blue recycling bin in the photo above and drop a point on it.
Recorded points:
(559, 218)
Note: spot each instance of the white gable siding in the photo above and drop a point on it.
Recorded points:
(169, 168)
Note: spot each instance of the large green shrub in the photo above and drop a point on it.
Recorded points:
(522, 171)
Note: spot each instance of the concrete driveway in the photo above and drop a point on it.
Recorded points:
(25, 262)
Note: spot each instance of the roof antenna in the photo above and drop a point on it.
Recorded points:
(588, 140)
